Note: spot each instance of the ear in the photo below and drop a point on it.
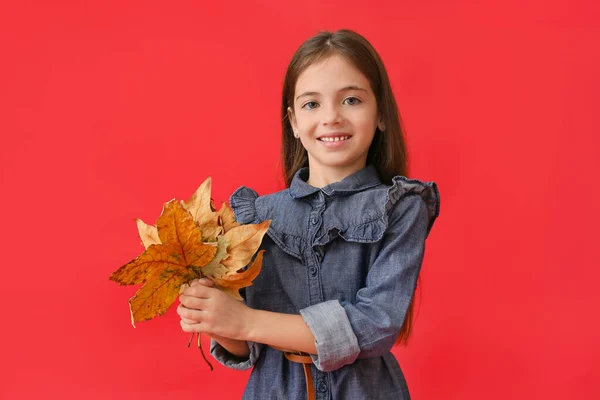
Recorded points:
(292, 119)
(381, 124)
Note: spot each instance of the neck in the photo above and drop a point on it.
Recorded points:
(319, 176)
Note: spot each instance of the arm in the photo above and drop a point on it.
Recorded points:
(232, 324)
(238, 348)
(286, 331)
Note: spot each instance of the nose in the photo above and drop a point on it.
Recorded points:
(331, 115)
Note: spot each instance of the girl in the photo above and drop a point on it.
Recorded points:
(345, 244)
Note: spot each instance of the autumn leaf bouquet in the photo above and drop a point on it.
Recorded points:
(191, 240)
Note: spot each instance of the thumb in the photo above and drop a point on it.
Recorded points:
(183, 287)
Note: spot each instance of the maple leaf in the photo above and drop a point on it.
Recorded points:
(165, 266)
(191, 240)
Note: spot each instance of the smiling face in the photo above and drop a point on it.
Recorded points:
(335, 116)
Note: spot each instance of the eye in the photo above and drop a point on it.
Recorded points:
(352, 101)
(313, 103)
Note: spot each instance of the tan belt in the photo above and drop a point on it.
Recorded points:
(306, 361)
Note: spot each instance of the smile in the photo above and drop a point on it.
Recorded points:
(334, 139)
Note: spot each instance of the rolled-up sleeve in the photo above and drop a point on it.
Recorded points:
(232, 361)
(335, 340)
(229, 360)
(369, 326)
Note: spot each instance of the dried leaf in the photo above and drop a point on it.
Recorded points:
(227, 217)
(211, 229)
(243, 241)
(148, 233)
(164, 267)
(200, 205)
(232, 282)
(160, 291)
(191, 240)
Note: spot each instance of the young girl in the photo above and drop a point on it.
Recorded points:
(345, 244)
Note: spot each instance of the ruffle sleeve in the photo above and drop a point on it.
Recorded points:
(428, 191)
(243, 202)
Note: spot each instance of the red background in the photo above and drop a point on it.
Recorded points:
(110, 109)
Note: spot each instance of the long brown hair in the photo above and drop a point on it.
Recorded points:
(387, 152)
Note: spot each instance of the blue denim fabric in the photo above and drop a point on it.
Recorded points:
(346, 257)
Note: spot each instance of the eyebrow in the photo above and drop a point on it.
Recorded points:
(347, 88)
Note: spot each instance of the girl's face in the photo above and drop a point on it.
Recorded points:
(335, 115)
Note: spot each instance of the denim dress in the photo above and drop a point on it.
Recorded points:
(346, 258)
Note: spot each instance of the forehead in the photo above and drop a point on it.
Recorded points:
(332, 73)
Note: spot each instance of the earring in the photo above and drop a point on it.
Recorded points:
(296, 135)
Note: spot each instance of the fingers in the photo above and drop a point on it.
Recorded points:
(198, 290)
(189, 321)
(192, 302)
(189, 314)
(191, 327)
(204, 281)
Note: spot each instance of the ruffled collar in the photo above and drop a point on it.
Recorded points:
(361, 180)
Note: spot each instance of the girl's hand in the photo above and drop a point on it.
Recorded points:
(205, 309)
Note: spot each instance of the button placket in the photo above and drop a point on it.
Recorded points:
(314, 283)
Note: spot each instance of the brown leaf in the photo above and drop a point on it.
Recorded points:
(191, 240)
(138, 270)
(232, 282)
(164, 267)
(211, 229)
(161, 290)
(227, 217)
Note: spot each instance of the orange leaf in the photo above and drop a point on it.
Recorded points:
(191, 240)
(161, 290)
(231, 283)
(165, 266)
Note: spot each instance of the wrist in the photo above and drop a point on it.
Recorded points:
(248, 331)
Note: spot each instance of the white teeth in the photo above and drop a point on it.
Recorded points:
(335, 139)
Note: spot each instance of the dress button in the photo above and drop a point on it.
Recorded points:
(322, 387)
(314, 220)
(313, 271)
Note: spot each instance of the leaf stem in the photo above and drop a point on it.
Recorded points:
(202, 351)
